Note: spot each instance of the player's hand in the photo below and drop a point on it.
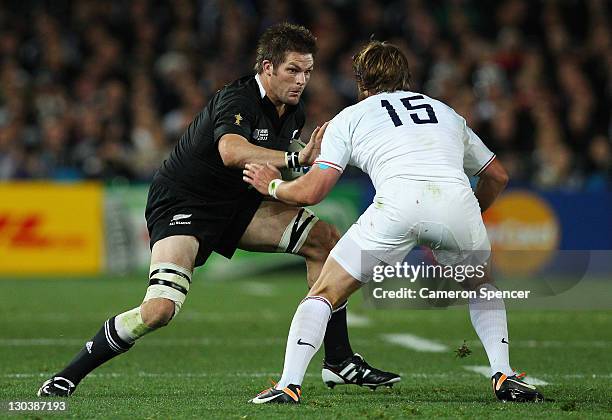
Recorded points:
(259, 176)
(313, 148)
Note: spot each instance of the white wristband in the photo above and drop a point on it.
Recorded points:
(273, 185)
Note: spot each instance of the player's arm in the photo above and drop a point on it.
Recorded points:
(306, 190)
(479, 161)
(234, 120)
(491, 182)
(317, 183)
(236, 151)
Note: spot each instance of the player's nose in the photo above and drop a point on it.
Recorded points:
(300, 78)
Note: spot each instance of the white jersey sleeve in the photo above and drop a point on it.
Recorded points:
(476, 157)
(336, 146)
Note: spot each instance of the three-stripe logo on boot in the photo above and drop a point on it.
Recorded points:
(351, 370)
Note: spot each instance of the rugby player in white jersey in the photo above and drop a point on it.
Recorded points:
(419, 154)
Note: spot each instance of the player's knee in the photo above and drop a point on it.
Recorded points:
(323, 237)
(157, 313)
(328, 238)
(168, 288)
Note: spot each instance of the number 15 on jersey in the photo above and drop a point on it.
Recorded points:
(431, 116)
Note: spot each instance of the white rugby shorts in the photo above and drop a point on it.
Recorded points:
(444, 217)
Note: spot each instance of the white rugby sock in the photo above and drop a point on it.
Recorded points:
(305, 337)
(489, 320)
(130, 326)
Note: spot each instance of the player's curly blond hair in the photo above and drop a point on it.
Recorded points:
(381, 67)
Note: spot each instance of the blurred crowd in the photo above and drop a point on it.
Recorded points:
(103, 89)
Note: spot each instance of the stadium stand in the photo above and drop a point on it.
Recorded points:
(102, 90)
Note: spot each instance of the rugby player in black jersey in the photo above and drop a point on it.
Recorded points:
(199, 204)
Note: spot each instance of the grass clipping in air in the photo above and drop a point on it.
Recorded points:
(463, 351)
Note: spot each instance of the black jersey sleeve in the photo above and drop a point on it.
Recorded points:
(233, 115)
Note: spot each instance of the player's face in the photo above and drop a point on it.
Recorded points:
(287, 82)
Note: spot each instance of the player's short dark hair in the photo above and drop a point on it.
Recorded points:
(280, 39)
(381, 67)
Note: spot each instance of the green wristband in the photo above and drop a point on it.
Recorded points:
(273, 185)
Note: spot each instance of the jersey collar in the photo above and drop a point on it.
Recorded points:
(270, 109)
(262, 91)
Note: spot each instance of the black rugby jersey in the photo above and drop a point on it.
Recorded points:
(195, 165)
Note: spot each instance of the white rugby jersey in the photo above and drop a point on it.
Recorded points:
(404, 135)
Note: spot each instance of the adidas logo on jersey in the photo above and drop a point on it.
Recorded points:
(88, 346)
(260, 134)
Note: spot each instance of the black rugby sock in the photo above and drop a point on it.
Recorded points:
(336, 341)
(105, 345)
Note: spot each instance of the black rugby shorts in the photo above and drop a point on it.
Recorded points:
(218, 225)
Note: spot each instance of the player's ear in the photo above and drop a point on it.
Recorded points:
(268, 67)
(363, 94)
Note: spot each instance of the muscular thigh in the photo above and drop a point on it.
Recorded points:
(178, 249)
(266, 229)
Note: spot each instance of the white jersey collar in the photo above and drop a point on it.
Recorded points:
(262, 91)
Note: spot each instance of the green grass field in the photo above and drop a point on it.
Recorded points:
(229, 340)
